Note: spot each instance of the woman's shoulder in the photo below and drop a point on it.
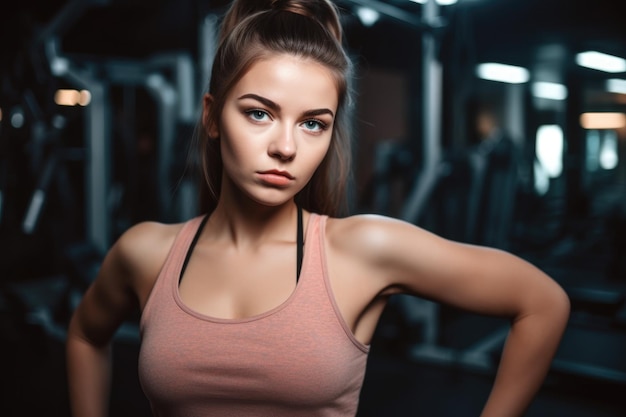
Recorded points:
(149, 235)
(142, 249)
(368, 234)
(364, 225)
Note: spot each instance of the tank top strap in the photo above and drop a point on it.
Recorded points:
(176, 258)
(315, 245)
(317, 265)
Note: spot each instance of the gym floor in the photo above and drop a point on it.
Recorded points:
(397, 383)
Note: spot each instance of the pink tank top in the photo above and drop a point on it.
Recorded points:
(300, 358)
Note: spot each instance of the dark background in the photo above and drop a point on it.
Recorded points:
(575, 231)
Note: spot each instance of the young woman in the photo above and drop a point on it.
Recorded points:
(266, 305)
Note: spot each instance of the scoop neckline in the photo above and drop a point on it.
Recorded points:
(224, 320)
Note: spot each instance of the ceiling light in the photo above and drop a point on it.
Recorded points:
(59, 66)
(601, 62)
(551, 91)
(549, 149)
(17, 118)
(609, 152)
(367, 15)
(616, 85)
(503, 73)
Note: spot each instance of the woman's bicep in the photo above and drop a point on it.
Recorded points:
(106, 302)
(479, 279)
(124, 281)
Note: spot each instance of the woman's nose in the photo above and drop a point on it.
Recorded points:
(283, 145)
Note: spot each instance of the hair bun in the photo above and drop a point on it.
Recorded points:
(323, 11)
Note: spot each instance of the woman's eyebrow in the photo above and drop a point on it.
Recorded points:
(318, 112)
(276, 107)
(266, 101)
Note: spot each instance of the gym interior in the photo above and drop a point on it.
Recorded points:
(499, 123)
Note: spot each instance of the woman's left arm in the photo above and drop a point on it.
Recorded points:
(484, 281)
(539, 310)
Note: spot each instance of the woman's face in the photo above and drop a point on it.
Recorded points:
(276, 127)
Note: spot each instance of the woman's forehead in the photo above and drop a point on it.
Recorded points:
(290, 79)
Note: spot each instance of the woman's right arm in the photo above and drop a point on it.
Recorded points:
(114, 294)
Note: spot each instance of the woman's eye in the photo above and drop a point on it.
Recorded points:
(258, 115)
(314, 125)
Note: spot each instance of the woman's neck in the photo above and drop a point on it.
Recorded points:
(253, 223)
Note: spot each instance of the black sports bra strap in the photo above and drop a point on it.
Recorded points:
(190, 249)
(300, 242)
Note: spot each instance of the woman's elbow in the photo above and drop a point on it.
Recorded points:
(555, 304)
(562, 303)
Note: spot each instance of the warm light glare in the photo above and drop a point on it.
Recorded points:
(601, 62)
(502, 73)
(66, 97)
(551, 91)
(616, 85)
(85, 98)
(603, 120)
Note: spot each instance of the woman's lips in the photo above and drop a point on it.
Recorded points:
(275, 177)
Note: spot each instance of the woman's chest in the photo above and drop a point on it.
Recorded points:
(297, 352)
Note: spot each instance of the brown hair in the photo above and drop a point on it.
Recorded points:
(256, 29)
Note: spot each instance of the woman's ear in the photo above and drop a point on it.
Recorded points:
(210, 125)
